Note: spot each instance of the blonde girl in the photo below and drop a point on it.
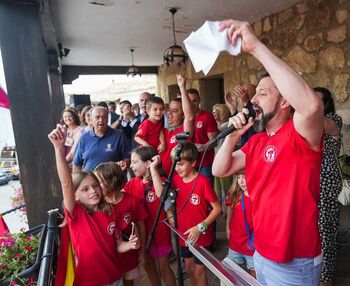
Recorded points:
(91, 221)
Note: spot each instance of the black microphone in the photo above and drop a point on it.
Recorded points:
(182, 136)
(231, 128)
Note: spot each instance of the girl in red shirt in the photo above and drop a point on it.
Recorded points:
(239, 225)
(142, 187)
(91, 221)
(128, 210)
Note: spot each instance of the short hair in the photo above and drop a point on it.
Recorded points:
(189, 152)
(154, 100)
(265, 74)
(99, 107)
(112, 103)
(103, 104)
(125, 102)
(327, 99)
(112, 174)
(176, 99)
(193, 91)
(74, 115)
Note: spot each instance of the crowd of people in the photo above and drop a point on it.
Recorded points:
(275, 178)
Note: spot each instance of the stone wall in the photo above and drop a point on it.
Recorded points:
(312, 36)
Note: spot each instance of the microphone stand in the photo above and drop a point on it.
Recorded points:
(168, 192)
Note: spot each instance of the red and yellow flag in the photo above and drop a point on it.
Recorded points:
(65, 261)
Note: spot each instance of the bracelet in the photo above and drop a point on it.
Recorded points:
(202, 227)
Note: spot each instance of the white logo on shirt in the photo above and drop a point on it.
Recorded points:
(108, 147)
(199, 124)
(195, 199)
(127, 218)
(173, 139)
(111, 228)
(270, 153)
(151, 197)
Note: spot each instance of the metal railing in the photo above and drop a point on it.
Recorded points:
(12, 210)
(50, 250)
(227, 271)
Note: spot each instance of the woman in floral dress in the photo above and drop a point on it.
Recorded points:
(331, 185)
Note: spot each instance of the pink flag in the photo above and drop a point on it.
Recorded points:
(4, 99)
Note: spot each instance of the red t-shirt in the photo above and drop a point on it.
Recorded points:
(238, 235)
(283, 181)
(197, 208)
(204, 123)
(94, 236)
(171, 142)
(150, 132)
(128, 210)
(151, 202)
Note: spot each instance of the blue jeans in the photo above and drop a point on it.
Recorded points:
(298, 272)
(241, 259)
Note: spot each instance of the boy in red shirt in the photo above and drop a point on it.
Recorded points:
(150, 132)
(198, 207)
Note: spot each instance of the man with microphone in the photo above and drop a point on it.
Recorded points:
(282, 167)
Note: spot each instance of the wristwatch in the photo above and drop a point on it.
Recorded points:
(202, 227)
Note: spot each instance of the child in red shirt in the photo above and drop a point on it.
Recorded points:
(239, 225)
(142, 186)
(128, 210)
(91, 221)
(150, 132)
(198, 207)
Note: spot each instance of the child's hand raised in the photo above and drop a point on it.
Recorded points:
(155, 162)
(58, 135)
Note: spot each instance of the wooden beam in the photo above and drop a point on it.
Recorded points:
(26, 72)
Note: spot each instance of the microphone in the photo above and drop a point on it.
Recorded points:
(182, 136)
(231, 128)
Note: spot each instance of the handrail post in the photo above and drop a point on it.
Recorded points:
(47, 257)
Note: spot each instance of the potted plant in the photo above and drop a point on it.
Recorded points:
(20, 255)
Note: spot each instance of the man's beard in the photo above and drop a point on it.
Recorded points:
(260, 124)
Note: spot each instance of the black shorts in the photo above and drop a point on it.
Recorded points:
(186, 253)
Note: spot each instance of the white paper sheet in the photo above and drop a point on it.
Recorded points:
(205, 44)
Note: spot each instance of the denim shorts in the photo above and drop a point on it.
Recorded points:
(241, 259)
(299, 271)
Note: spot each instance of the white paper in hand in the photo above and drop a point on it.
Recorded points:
(205, 44)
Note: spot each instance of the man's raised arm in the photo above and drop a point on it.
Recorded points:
(308, 107)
